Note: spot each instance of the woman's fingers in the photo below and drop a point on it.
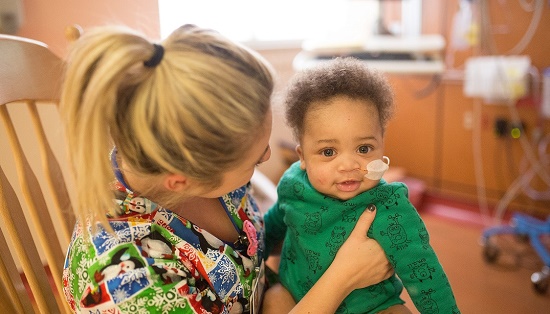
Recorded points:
(364, 222)
(364, 256)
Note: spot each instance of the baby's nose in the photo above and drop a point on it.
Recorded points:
(349, 164)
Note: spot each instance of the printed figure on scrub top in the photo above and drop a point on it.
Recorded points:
(172, 133)
(338, 112)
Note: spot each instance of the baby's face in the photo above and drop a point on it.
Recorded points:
(340, 138)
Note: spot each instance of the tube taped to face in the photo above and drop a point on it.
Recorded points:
(377, 168)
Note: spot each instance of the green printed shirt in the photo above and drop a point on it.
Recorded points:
(314, 226)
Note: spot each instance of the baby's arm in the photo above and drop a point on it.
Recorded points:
(401, 232)
(277, 300)
(275, 229)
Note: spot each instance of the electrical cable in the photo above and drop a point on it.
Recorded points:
(537, 168)
(510, 161)
(510, 194)
(427, 90)
(500, 177)
(483, 45)
(523, 180)
(529, 7)
(486, 41)
(476, 150)
(497, 164)
(533, 25)
(434, 83)
(478, 164)
(528, 148)
(537, 7)
(543, 157)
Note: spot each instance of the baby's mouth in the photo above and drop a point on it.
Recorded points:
(348, 186)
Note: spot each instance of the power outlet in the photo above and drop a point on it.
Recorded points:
(505, 128)
(502, 127)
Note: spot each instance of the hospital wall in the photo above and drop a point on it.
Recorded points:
(433, 136)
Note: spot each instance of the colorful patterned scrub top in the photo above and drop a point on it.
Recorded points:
(159, 262)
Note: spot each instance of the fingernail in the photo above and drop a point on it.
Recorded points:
(371, 207)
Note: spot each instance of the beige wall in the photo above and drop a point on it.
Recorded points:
(282, 63)
(46, 20)
(432, 160)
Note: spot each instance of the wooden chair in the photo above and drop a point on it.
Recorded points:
(30, 79)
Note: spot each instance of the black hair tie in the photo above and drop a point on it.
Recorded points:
(156, 58)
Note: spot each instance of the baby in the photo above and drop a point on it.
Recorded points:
(338, 112)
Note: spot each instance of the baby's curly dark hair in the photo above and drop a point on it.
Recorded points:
(343, 76)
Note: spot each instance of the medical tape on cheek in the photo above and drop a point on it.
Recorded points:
(377, 168)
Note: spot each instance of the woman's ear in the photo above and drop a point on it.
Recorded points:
(300, 153)
(176, 182)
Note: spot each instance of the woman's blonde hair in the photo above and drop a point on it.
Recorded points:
(194, 113)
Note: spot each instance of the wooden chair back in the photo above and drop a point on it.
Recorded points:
(34, 228)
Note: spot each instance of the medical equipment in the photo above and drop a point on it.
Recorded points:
(390, 54)
(497, 78)
(525, 227)
(528, 228)
(504, 79)
(376, 168)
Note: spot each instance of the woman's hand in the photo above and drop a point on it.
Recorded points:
(359, 263)
(361, 260)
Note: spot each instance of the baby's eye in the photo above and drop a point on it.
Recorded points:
(364, 149)
(329, 152)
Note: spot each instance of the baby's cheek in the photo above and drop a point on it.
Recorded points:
(319, 176)
(319, 180)
(369, 184)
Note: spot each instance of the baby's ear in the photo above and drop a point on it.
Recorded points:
(300, 153)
